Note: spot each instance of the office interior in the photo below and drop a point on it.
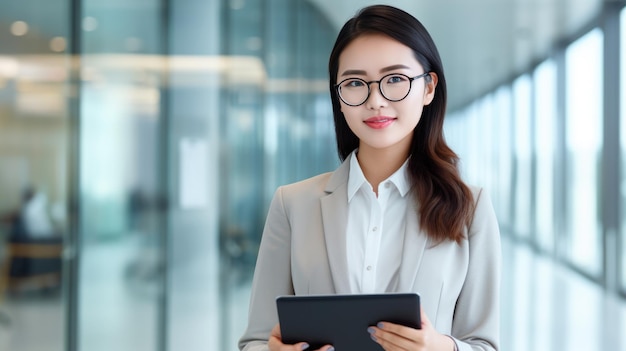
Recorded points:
(145, 140)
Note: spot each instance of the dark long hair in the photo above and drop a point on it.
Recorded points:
(445, 203)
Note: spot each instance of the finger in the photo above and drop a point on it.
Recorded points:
(300, 346)
(425, 321)
(399, 336)
(276, 331)
(276, 345)
(398, 329)
(275, 342)
(391, 341)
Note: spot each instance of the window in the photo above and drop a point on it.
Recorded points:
(502, 199)
(523, 154)
(583, 139)
(545, 116)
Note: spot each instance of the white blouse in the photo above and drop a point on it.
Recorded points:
(375, 231)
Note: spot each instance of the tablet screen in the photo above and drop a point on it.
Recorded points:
(342, 320)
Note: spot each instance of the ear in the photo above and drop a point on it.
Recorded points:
(431, 84)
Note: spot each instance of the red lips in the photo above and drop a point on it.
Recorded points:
(379, 122)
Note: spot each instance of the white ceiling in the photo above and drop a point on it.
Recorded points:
(484, 43)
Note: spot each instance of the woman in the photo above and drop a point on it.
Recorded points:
(395, 216)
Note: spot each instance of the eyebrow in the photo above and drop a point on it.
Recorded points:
(382, 70)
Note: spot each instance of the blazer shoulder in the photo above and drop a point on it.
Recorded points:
(321, 184)
(476, 191)
(311, 186)
(480, 195)
(484, 214)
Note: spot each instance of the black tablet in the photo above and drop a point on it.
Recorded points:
(342, 320)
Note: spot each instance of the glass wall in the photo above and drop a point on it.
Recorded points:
(503, 203)
(583, 137)
(545, 119)
(120, 119)
(548, 155)
(183, 119)
(35, 125)
(277, 128)
(522, 119)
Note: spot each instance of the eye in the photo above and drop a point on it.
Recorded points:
(353, 83)
(396, 78)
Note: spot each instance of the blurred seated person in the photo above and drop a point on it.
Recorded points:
(34, 245)
(32, 222)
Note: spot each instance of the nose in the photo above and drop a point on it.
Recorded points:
(376, 100)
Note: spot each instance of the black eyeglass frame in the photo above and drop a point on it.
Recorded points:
(369, 87)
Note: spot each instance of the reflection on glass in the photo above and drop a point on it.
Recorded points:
(273, 132)
(34, 81)
(523, 154)
(545, 132)
(120, 272)
(119, 265)
(583, 108)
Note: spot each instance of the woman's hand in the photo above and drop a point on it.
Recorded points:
(395, 337)
(275, 343)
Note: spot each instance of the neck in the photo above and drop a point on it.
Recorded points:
(380, 164)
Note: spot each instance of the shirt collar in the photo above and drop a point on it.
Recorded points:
(356, 178)
(400, 178)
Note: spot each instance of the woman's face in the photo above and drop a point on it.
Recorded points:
(379, 123)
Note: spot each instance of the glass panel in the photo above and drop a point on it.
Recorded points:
(470, 150)
(623, 142)
(34, 168)
(583, 108)
(503, 203)
(545, 134)
(120, 272)
(523, 155)
(276, 128)
(194, 113)
(241, 187)
(484, 122)
(454, 125)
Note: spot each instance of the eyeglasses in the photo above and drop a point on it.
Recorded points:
(393, 87)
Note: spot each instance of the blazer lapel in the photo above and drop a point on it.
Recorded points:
(335, 220)
(415, 242)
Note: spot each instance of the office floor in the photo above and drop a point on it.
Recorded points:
(545, 307)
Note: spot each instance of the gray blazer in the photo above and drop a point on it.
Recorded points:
(303, 252)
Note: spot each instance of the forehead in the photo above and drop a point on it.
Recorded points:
(371, 52)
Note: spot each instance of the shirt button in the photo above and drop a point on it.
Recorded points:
(374, 229)
(369, 268)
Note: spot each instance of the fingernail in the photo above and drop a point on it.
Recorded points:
(373, 337)
(380, 325)
(305, 346)
(370, 330)
(331, 349)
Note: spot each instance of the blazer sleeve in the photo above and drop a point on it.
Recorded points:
(272, 276)
(476, 322)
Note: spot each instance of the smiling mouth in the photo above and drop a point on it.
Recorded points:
(379, 122)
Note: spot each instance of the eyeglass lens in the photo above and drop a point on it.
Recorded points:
(394, 87)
